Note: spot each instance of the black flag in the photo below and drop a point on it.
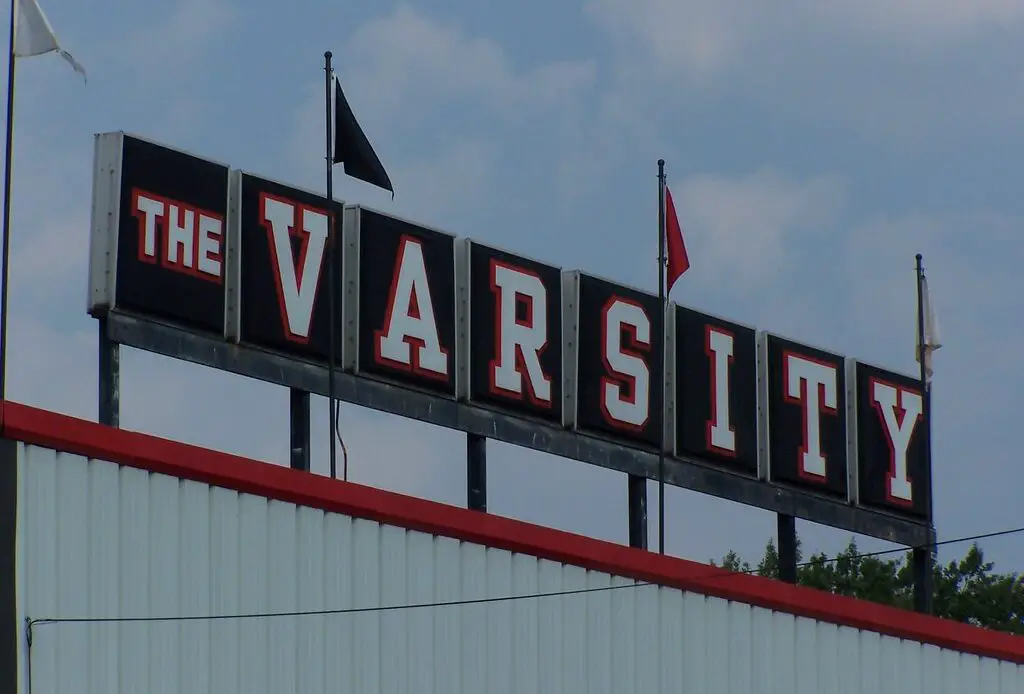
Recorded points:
(352, 148)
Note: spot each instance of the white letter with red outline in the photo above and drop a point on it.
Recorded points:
(409, 338)
(519, 343)
(296, 294)
(624, 365)
(814, 385)
(192, 237)
(718, 345)
(899, 410)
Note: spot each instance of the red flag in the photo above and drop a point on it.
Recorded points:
(678, 260)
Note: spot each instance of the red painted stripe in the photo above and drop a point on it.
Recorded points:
(78, 436)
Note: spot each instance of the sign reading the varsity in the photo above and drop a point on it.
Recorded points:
(716, 390)
(806, 397)
(515, 332)
(892, 465)
(282, 236)
(158, 236)
(619, 359)
(184, 242)
(406, 302)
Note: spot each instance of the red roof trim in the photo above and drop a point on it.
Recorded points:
(43, 428)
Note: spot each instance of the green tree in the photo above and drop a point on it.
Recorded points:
(967, 590)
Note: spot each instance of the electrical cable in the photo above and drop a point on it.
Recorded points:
(720, 574)
(341, 440)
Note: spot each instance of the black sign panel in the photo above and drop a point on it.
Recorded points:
(806, 416)
(284, 287)
(515, 332)
(716, 390)
(171, 235)
(891, 442)
(619, 362)
(406, 302)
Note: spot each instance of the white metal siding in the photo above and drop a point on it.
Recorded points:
(100, 540)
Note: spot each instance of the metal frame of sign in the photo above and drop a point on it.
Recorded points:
(460, 412)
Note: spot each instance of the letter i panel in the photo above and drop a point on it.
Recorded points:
(158, 233)
(283, 281)
(892, 435)
(406, 303)
(619, 359)
(515, 332)
(806, 407)
(716, 390)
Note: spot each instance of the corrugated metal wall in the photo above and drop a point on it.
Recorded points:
(99, 540)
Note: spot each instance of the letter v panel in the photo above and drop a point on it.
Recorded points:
(619, 361)
(282, 283)
(406, 302)
(806, 416)
(157, 244)
(892, 432)
(515, 332)
(716, 391)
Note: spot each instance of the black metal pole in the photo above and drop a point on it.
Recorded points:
(109, 386)
(786, 530)
(331, 245)
(8, 164)
(637, 491)
(476, 472)
(299, 409)
(922, 556)
(660, 381)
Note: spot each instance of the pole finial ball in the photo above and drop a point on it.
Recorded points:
(918, 256)
(661, 162)
(328, 55)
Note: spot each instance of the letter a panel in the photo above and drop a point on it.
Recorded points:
(279, 279)
(157, 244)
(515, 332)
(892, 468)
(806, 416)
(406, 312)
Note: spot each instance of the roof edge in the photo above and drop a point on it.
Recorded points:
(72, 435)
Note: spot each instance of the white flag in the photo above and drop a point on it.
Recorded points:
(33, 34)
(931, 330)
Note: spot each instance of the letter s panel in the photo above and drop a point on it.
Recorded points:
(283, 277)
(716, 390)
(619, 362)
(515, 333)
(171, 235)
(806, 396)
(407, 318)
(892, 469)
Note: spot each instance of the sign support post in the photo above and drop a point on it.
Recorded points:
(109, 381)
(476, 472)
(300, 439)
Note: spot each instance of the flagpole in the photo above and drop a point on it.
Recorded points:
(661, 380)
(331, 244)
(8, 164)
(924, 564)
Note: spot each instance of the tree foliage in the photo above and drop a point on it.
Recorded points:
(967, 590)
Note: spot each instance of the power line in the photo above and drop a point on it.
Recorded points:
(722, 573)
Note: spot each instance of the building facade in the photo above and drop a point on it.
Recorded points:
(134, 564)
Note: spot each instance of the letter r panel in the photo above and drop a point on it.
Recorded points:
(266, 303)
(381, 241)
(788, 435)
(697, 388)
(177, 293)
(486, 334)
(875, 445)
(593, 373)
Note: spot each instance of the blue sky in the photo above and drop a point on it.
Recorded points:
(812, 149)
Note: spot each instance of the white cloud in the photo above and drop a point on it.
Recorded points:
(177, 40)
(747, 227)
